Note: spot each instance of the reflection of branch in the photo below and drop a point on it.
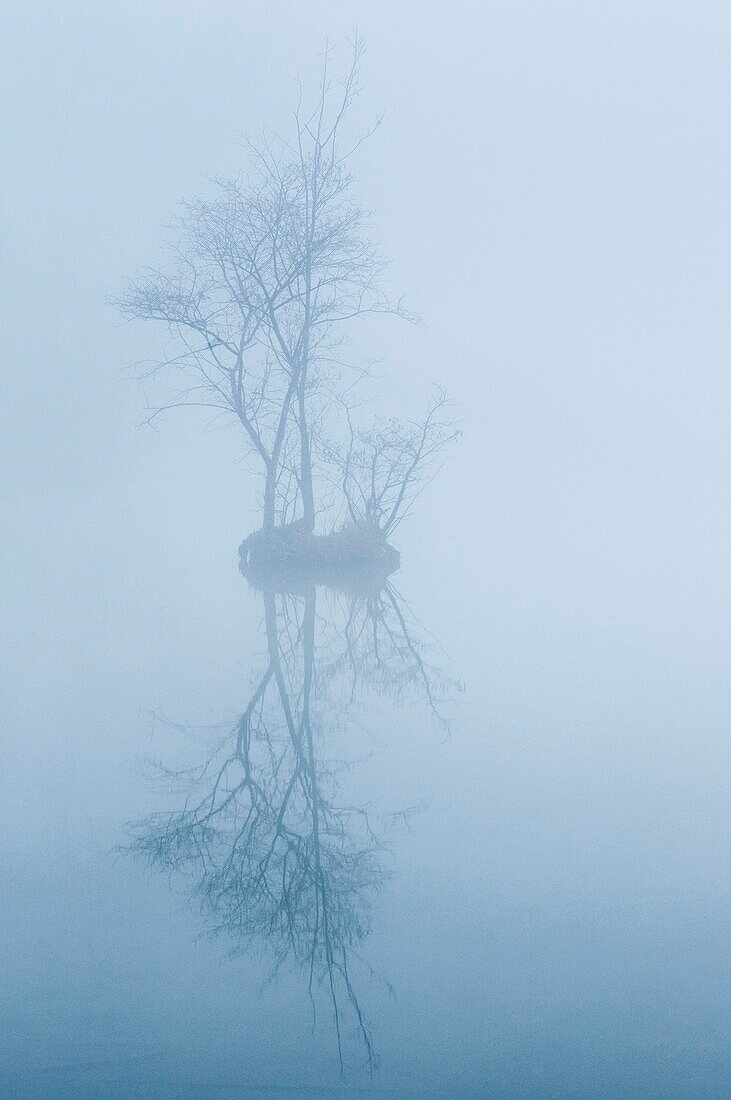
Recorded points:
(272, 852)
(381, 652)
(245, 720)
(412, 650)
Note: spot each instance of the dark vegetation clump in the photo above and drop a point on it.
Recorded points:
(288, 559)
(353, 546)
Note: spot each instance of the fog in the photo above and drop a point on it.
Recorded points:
(548, 794)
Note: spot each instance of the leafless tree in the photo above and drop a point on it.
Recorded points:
(262, 278)
(380, 471)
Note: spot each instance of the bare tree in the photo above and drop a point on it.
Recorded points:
(262, 278)
(380, 471)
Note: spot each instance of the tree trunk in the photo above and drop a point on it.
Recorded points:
(308, 498)
(270, 486)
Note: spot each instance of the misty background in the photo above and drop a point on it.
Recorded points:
(550, 183)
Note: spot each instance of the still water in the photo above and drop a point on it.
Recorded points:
(403, 837)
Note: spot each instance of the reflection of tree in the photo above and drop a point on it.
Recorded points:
(273, 855)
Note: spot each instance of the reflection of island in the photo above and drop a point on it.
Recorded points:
(272, 853)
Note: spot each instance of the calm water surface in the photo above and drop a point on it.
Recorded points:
(420, 839)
